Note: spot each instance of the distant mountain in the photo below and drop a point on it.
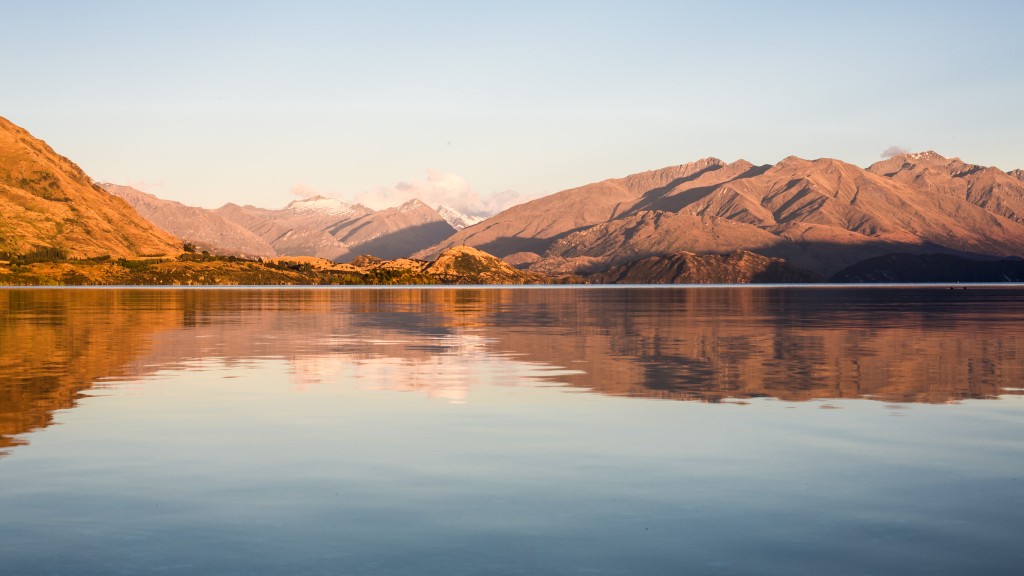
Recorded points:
(299, 229)
(821, 215)
(318, 227)
(1018, 174)
(685, 268)
(394, 232)
(457, 219)
(912, 268)
(49, 205)
(330, 229)
(203, 228)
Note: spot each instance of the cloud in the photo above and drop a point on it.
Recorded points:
(302, 191)
(894, 151)
(442, 188)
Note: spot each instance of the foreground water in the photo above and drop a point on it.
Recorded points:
(512, 431)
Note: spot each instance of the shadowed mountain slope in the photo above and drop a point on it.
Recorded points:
(394, 232)
(740, 267)
(913, 268)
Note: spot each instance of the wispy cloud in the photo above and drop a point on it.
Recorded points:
(442, 188)
(894, 151)
(302, 191)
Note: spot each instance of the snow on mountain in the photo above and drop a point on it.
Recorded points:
(326, 206)
(457, 219)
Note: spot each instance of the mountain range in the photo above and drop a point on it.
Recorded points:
(318, 226)
(705, 221)
(820, 215)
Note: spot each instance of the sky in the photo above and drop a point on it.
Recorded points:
(480, 105)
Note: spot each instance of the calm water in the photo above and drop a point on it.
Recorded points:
(512, 431)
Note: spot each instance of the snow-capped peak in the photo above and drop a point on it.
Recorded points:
(457, 219)
(413, 204)
(322, 205)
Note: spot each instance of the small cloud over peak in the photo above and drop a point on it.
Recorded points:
(894, 151)
(441, 189)
(303, 192)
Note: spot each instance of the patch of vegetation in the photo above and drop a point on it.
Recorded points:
(44, 184)
(469, 264)
(41, 254)
(49, 267)
(136, 264)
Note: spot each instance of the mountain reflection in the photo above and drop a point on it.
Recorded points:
(709, 344)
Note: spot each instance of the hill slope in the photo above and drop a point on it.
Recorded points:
(48, 202)
(204, 228)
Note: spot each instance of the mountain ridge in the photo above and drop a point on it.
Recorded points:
(821, 215)
(198, 226)
(318, 226)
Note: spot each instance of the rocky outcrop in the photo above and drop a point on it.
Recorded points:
(466, 265)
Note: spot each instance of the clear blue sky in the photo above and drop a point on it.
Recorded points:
(210, 102)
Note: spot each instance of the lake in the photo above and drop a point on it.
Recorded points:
(659, 430)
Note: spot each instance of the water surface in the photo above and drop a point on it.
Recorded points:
(512, 431)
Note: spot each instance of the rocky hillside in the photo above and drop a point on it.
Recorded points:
(466, 265)
(686, 268)
(821, 215)
(986, 187)
(49, 206)
(203, 228)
